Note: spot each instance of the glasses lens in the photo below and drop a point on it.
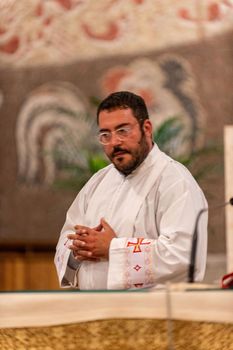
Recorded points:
(121, 133)
(104, 138)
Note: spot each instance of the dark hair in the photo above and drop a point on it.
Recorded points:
(123, 100)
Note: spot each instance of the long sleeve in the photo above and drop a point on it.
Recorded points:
(140, 262)
(67, 267)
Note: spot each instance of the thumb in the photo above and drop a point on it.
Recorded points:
(108, 229)
(104, 223)
(98, 227)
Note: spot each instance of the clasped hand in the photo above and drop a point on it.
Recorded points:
(91, 243)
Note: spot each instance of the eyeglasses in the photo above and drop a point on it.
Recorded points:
(121, 133)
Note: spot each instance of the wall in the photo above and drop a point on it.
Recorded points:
(58, 57)
(27, 270)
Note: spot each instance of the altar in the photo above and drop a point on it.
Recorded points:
(171, 318)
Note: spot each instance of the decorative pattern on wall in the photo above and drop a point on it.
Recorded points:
(168, 87)
(38, 32)
(50, 128)
(56, 54)
(54, 129)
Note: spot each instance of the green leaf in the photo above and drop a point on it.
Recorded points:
(167, 131)
(96, 162)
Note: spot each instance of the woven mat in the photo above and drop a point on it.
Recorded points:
(120, 334)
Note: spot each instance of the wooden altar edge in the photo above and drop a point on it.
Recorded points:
(49, 309)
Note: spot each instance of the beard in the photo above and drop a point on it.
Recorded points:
(137, 156)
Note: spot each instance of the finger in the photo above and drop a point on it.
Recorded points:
(77, 242)
(82, 233)
(76, 245)
(81, 228)
(76, 236)
(73, 248)
(82, 239)
(98, 228)
(84, 253)
(73, 236)
(105, 224)
(82, 258)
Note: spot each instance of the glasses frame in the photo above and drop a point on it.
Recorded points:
(130, 128)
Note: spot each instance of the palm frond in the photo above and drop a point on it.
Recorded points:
(167, 132)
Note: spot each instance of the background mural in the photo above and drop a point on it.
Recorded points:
(61, 31)
(58, 58)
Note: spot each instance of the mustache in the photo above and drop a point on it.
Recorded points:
(118, 149)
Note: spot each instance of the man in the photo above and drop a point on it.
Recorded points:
(131, 225)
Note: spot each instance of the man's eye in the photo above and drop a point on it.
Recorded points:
(123, 131)
(104, 135)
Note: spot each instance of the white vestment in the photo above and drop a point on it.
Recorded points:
(152, 211)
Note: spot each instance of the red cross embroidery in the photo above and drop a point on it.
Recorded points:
(137, 248)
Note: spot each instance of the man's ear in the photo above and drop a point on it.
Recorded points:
(147, 127)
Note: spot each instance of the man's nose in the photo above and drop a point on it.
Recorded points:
(115, 140)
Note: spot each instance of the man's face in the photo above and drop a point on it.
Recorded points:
(125, 153)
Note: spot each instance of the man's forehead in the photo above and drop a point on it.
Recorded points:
(115, 113)
(115, 118)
